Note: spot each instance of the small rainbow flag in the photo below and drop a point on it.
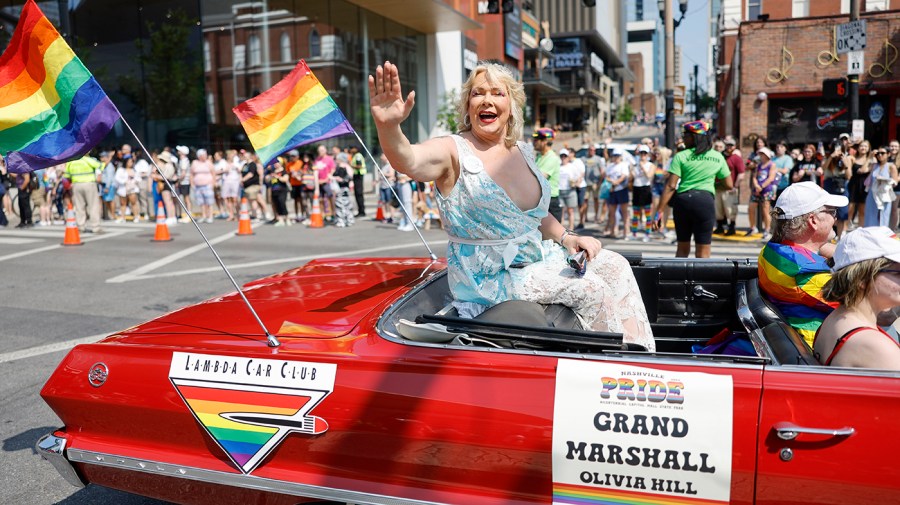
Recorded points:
(51, 108)
(294, 112)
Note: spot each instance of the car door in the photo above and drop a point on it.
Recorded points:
(828, 436)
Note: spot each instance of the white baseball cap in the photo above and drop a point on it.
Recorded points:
(768, 152)
(643, 149)
(617, 151)
(182, 149)
(864, 244)
(563, 152)
(804, 197)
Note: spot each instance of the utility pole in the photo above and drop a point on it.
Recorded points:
(669, 21)
(853, 79)
(696, 107)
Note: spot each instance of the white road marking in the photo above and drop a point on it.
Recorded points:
(139, 272)
(18, 241)
(143, 274)
(49, 348)
(93, 238)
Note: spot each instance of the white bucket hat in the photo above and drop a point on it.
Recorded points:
(866, 244)
(804, 197)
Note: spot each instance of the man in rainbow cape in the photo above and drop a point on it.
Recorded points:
(793, 266)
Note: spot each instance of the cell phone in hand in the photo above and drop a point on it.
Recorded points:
(578, 262)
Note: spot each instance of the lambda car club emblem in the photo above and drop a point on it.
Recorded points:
(248, 405)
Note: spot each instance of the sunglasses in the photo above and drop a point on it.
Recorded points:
(879, 153)
(830, 211)
(889, 271)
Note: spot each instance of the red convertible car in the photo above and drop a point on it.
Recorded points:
(378, 394)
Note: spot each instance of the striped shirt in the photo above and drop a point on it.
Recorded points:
(792, 277)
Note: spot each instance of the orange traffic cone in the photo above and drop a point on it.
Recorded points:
(379, 216)
(244, 227)
(315, 217)
(162, 230)
(72, 237)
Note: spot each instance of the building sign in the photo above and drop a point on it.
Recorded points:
(803, 120)
(627, 434)
(876, 112)
(567, 53)
(850, 36)
(858, 131)
(531, 30)
(597, 63)
(679, 92)
(512, 31)
(470, 59)
(855, 62)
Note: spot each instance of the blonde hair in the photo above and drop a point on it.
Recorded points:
(496, 74)
(851, 284)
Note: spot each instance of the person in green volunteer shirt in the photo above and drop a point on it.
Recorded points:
(548, 163)
(83, 173)
(358, 164)
(691, 189)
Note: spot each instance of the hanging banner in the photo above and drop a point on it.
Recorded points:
(625, 434)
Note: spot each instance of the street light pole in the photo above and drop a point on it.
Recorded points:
(670, 73)
(665, 10)
(853, 79)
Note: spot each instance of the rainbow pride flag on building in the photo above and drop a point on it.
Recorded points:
(51, 108)
(292, 113)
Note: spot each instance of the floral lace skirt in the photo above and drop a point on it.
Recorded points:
(607, 298)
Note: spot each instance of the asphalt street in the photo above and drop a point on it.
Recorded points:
(55, 297)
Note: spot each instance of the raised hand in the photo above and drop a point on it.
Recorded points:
(386, 99)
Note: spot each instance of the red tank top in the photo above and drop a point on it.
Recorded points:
(845, 337)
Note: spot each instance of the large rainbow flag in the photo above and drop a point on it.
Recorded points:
(51, 108)
(294, 112)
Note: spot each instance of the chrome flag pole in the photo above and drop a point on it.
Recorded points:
(402, 207)
(271, 340)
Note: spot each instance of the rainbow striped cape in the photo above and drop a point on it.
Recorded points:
(792, 277)
(51, 108)
(294, 112)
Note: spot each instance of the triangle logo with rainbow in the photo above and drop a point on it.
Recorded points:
(248, 406)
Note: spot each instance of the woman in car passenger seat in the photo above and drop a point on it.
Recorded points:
(493, 203)
(866, 281)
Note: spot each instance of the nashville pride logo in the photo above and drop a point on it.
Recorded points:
(249, 405)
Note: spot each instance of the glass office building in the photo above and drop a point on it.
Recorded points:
(175, 69)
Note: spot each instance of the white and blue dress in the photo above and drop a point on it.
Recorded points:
(489, 235)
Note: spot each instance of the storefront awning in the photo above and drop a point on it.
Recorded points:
(425, 16)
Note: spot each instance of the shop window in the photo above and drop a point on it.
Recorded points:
(207, 57)
(754, 9)
(255, 51)
(285, 47)
(315, 44)
(211, 107)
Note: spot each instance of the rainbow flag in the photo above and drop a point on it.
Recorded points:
(51, 108)
(294, 112)
(792, 278)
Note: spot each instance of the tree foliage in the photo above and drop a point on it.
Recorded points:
(625, 114)
(447, 116)
(172, 81)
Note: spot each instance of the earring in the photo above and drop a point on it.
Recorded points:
(466, 121)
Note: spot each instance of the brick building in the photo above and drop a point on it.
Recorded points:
(771, 71)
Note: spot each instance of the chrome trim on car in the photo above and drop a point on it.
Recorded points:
(753, 330)
(236, 479)
(53, 449)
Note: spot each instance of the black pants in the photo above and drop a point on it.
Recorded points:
(279, 201)
(358, 191)
(25, 205)
(555, 210)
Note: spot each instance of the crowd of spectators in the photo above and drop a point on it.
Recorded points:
(122, 185)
